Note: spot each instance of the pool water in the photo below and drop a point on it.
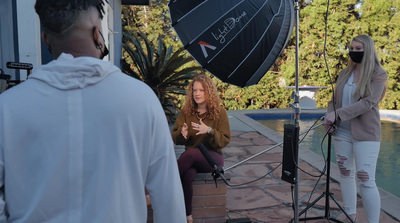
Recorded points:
(388, 167)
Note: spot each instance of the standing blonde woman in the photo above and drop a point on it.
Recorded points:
(353, 118)
(202, 120)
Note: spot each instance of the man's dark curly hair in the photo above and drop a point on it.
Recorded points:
(57, 16)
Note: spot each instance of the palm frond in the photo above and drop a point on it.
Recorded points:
(166, 71)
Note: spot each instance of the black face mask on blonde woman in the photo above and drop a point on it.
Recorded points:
(356, 56)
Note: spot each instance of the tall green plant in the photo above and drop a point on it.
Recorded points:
(346, 18)
(153, 20)
(166, 71)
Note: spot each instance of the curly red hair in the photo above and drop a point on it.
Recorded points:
(212, 97)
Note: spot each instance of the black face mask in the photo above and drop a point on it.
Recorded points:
(105, 52)
(356, 56)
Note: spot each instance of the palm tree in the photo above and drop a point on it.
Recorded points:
(165, 71)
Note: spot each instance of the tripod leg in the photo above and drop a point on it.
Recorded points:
(309, 206)
(312, 204)
(341, 208)
(327, 194)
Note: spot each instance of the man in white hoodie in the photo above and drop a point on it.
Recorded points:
(79, 140)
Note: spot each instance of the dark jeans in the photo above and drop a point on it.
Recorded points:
(191, 162)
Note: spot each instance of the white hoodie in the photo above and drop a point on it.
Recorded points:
(79, 142)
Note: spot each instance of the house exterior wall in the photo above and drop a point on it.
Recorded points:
(7, 46)
(28, 38)
(20, 35)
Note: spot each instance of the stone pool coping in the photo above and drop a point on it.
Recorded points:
(389, 203)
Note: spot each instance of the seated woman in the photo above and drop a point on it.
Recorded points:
(202, 120)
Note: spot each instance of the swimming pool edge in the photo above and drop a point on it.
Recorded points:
(389, 202)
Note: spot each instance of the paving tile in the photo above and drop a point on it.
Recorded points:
(235, 151)
(238, 181)
(253, 198)
(239, 142)
(263, 141)
(250, 135)
(270, 199)
(265, 149)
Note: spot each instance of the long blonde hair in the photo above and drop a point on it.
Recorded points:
(212, 98)
(369, 64)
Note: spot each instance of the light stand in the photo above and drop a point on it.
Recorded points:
(326, 194)
(296, 108)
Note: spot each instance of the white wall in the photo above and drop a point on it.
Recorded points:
(6, 36)
(116, 32)
(107, 26)
(112, 31)
(21, 32)
(28, 34)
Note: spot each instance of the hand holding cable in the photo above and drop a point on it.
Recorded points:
(330, 122)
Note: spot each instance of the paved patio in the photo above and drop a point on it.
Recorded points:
(269, 199)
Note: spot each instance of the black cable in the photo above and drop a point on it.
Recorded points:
(294, 159)
(249, 182)
(333, 101)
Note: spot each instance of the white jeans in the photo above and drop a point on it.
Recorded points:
(357, 158)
